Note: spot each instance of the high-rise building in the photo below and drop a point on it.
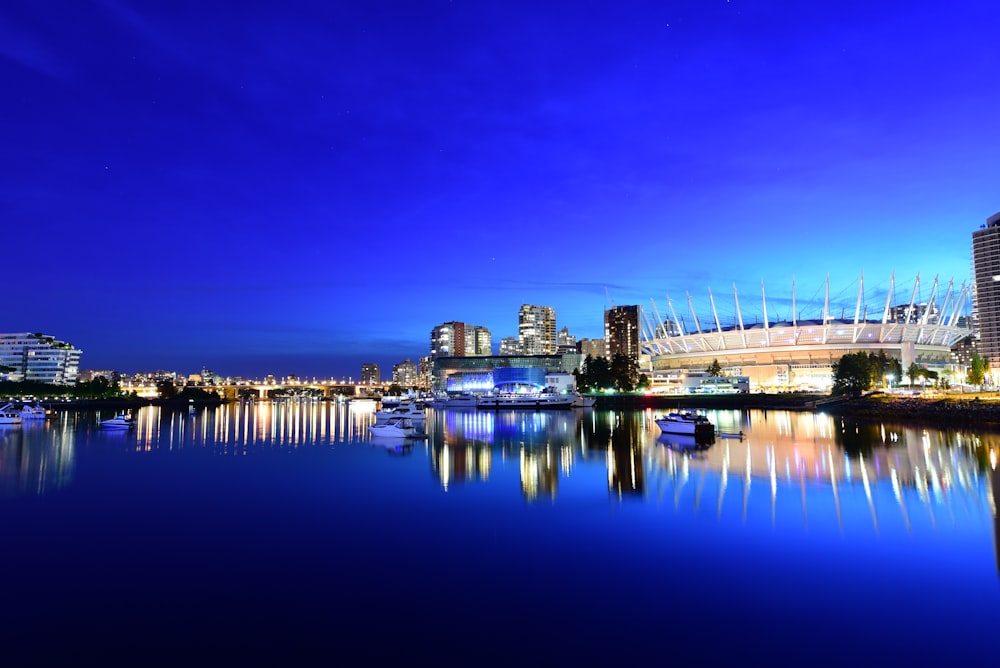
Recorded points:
(536, 330)
(621, 331)
(404, 373)
(38, 358)
(565, 342)
(458, 339)
(509, 345)
(370, 374)
(986, 293)
(592, 347)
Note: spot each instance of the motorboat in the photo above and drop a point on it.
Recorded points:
(397, 427)
(33, 412)
(581, 401)
(685, 423)
(8, 415)
(405, 409)
(543, 399)
(120, 421)
(463, 400)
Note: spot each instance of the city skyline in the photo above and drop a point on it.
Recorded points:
(302, 189)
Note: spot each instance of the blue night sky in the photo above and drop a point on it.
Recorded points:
(298, 187)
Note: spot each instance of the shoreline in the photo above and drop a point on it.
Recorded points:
(965, 411)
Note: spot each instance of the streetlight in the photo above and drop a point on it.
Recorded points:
(888, 380)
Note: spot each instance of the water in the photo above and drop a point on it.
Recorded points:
(284, 530)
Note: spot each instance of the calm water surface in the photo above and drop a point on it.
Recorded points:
(285, 529)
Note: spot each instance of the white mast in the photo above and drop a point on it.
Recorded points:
(739, 315)
(694, 315)
(763, 299)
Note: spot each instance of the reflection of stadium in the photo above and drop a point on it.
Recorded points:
(782, 350)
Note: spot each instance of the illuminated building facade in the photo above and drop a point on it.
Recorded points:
(404, 373)
(476, 374)
(798, 354)
(592, 347)
(621, 331)
(38, 358)
(370, 374)
(509, 345)
(536, 330)
(986, 292)
(458, 339)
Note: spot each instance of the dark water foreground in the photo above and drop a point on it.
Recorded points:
(284, 532)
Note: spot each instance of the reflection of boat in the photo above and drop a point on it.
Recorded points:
(580, 401)
(120, 421)
(405, 409)
(685, 423)
(9, 416)
(394, 446)
(687, 443)
(544, 399)
(33, 412)
(397, 427)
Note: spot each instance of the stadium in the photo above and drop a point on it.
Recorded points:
(792, 353)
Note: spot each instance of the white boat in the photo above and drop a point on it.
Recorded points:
(685, 423)
(463, 400)
(120, 421)
(405, 409)
(33, 412)
(397, 427)
(8, 415)
(580, 401)
(543, 399)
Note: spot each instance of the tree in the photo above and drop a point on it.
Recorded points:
(913, 371)
(624, 372)
(977, 370)
(714, 369)
(853, 373)
(596, 373)
(166, 389)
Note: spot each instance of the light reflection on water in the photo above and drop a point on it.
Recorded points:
(887, 470)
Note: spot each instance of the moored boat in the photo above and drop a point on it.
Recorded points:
(120, 421)
(9, 416)
(406, 409)
(33, 412)
(581, 401)
(544, 399)
(397, 427)
(463, 400)
(685, 423)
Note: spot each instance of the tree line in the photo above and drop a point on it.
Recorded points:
(621, 374)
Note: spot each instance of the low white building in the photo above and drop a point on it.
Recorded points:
(38, 358)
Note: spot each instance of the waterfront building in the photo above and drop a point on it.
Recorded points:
(621, 331)
(404, 373)
(986, 289)
(536, 330)
(425, 370)
(795, 353)
(509, 345)
(38, 358)
(477, 374)
(592, 347)
(370, 374)
(459, 339)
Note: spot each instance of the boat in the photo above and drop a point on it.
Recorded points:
(397, 427)
(543, 399)
(405, 409)
(120, 421)
(581, 401)
(33, 412)
(685, 423)
(463, 400)
(8, 415)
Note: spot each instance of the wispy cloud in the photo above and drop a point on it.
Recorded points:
(17, 45)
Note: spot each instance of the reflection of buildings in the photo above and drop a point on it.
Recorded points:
(821, 465)
(36, 458)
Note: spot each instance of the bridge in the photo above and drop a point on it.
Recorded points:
(233, 390)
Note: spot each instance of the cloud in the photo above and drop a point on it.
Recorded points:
(18, 46)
